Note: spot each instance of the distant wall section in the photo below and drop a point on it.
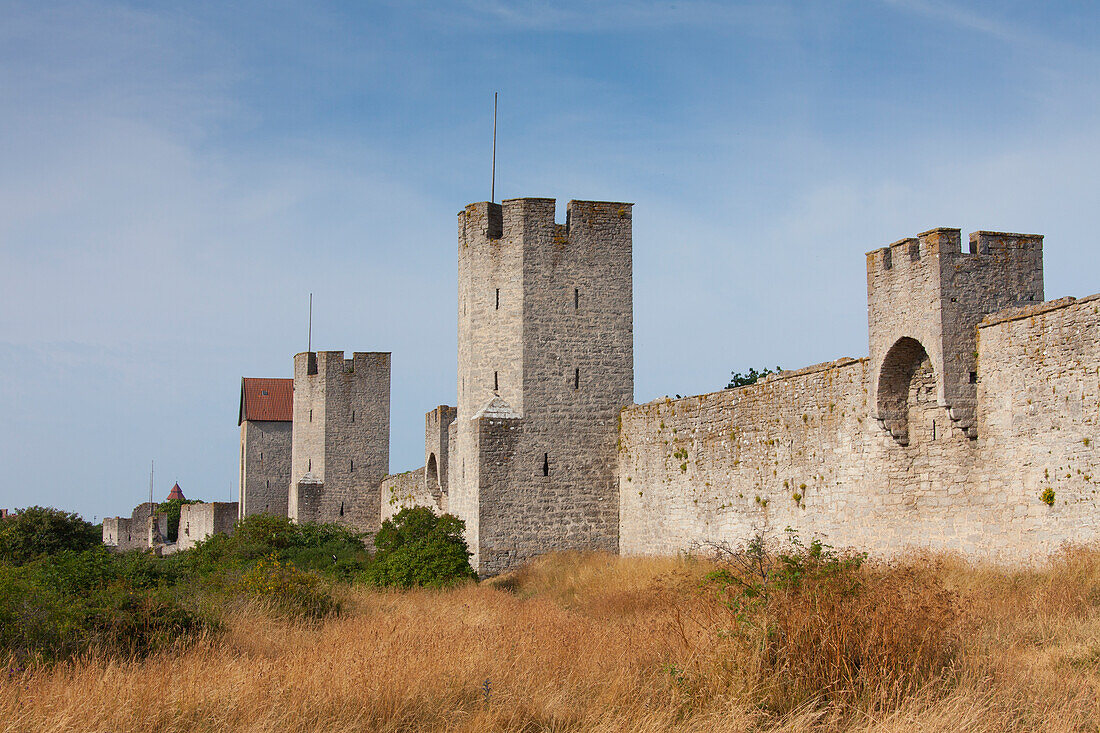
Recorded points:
(199, 521)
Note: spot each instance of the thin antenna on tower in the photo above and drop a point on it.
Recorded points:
(309, 336)
(493, 187)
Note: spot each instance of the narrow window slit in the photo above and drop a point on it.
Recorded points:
(545, 464)
(496, 381)
(498, 299)
(576, 298)
(576, 379)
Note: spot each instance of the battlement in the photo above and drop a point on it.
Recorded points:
(333, 362)
(512, 218)
(941, 241)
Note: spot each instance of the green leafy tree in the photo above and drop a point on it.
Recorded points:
(418, 548)
(37, 531)
(741, 380)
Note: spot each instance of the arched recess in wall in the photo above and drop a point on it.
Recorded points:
(905, 382)
(433, 474)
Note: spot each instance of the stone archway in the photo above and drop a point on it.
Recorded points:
(432, 475)
(906, 383)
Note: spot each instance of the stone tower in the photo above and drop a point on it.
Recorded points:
(925, 299)
(266, 412)
(340, 437)
(545, 364)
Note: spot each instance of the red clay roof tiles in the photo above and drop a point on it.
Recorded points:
(266, 399)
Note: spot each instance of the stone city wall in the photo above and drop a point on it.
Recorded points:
(405, 491)
(800, 450)
(1039, 394)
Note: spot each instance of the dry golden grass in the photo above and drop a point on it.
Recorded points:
(598, 643)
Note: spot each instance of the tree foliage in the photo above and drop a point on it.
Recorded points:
(38, 531)
(418, 548)
(737, 379)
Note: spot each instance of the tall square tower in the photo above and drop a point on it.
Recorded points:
(340, 438)
(545, 364)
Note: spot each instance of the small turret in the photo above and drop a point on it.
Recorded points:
(925, 299)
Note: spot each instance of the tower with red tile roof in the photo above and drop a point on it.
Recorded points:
(267, 407)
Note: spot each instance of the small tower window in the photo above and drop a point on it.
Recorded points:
(576, 379)
(498, 299)
(341, 509)
(309, 464)
(351, 465)
(267, 484)
(545, 464)
(973, 377)
(576, 298)
(353, 415)
(311, 415)
(496, 381)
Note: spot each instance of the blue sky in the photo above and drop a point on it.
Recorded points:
(175, 178)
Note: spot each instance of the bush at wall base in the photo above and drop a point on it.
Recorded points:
(418, 548)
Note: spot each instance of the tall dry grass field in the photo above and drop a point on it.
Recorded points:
(599, 643)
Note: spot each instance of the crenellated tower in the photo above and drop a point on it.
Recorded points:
(925, 298)
(545, 364)
(340, 437)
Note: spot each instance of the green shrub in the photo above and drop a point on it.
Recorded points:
(1047, 496)
(333, 550)
(288, 590)
(37, 531)
(71, 602)
(418, 548)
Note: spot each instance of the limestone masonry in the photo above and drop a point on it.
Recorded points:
(971, 426)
